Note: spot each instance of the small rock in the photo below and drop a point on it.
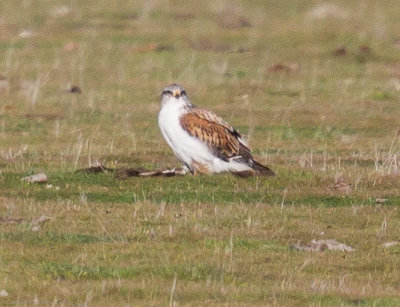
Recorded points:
(341, 51)
(60, 11)
(74, 90)
(35, 228)
(321, 245)
(25, 33)
(390, 244)
(36, 178)
(52, 187)
(278, 67)
(3, 293)
(327, 10)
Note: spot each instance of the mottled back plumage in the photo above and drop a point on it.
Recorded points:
(223, 140)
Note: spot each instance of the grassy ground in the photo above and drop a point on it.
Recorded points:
(325, 118)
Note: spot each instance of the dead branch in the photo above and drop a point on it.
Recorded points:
(124, 173)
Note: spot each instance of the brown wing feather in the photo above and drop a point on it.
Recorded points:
(222, 139)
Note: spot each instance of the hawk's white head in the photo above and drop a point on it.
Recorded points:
(174, 92)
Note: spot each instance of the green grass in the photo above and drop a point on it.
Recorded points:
(322, 120)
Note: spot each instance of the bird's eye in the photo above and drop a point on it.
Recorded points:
(167, 92)
(183, 93)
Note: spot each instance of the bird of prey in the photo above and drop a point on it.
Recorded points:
(202, 141)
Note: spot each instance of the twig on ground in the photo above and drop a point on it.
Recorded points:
(123, 173)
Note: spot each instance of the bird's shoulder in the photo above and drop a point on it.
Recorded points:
(196, 116)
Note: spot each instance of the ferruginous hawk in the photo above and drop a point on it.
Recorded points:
(201, 140)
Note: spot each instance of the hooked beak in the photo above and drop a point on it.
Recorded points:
(176, 94)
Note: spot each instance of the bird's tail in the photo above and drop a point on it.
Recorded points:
(262, 170)
(257, 170)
